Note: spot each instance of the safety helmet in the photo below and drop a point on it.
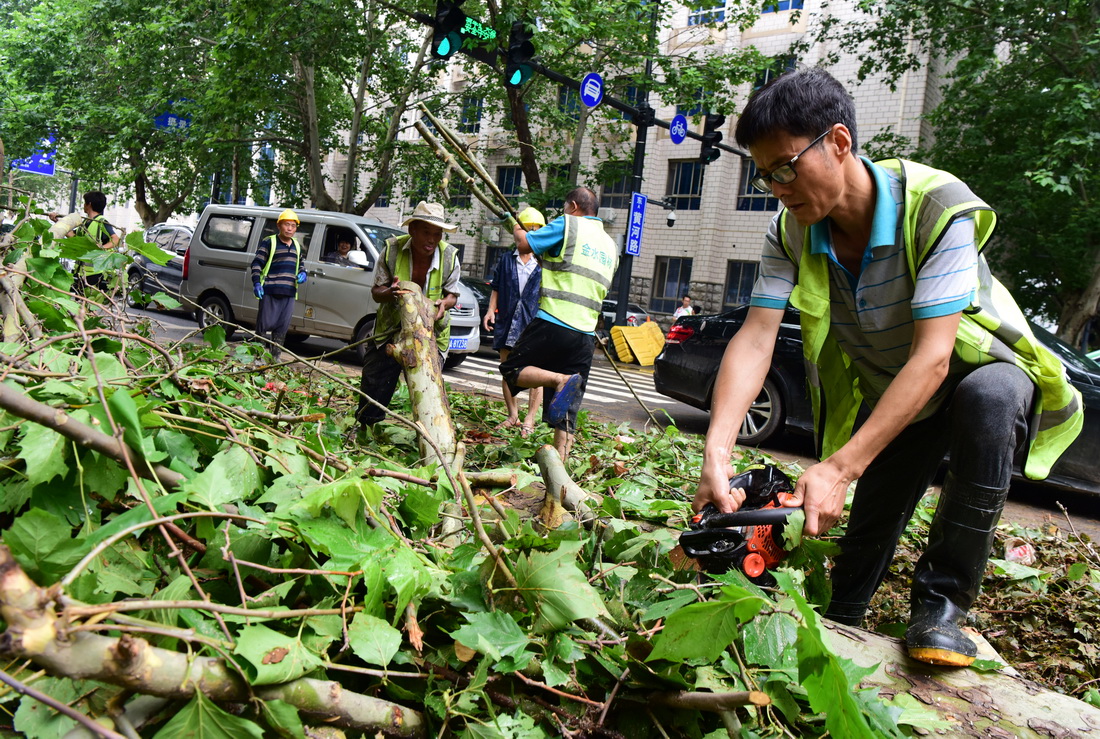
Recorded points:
(289, 215)
(531, 217)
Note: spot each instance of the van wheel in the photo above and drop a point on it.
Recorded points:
(765, 417)
(364, 332)
(214, 310)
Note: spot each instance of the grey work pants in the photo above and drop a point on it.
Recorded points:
(984, 426)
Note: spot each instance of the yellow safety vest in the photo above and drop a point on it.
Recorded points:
(575, 282)
(994, 332)
(272, 245)
(397, 257)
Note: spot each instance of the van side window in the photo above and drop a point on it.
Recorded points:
(227, 232)
(304, 234)
(378, 235)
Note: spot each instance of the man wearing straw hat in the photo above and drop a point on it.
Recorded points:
(512, 304)
(555, 350)
(421, 257)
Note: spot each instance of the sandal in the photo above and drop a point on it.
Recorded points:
(526, 430)
(507, 423)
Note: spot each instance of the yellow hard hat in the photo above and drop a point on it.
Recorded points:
(289, 215)
(531, 217)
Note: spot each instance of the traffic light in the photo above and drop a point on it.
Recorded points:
(449, 21)
(517, 68)
(711, 136)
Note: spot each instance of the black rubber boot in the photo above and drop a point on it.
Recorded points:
(277, 341)
(949, 573)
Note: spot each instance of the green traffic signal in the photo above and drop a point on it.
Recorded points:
(517, 70)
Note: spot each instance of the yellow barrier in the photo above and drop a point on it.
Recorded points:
(639, 344)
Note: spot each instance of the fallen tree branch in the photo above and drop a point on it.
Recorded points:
(20, 405)
(713, 702)
(58, 706)
(573, 497)
(36, 632)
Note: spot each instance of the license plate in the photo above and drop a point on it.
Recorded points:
(458, 345)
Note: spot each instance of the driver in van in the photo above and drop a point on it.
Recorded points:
(340, 254)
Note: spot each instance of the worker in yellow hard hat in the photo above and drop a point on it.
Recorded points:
(512, 304)
(276, 273)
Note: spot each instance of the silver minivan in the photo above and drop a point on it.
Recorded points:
(334, 301)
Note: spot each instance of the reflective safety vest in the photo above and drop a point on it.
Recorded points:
(272, 245)
(95, 229)
(991, 329)
(398, 259)
(575, 282)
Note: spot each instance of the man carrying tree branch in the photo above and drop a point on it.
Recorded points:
(898, 309)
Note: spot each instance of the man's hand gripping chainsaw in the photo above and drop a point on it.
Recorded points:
(750, 539)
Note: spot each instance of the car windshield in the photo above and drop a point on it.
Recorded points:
(1065, 352)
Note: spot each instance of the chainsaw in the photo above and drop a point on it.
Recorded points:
(749, 539)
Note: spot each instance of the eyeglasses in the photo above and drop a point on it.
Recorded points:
(785, 173)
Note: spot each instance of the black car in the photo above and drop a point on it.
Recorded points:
(148, 278)
(688, 367)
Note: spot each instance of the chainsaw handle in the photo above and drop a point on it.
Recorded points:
(756, 517)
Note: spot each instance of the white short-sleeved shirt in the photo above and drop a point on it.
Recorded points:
(872, 315)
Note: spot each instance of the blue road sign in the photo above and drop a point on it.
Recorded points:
(678, 129)
(41, 162)
(169, 121)
(637, 223)
(592, 90)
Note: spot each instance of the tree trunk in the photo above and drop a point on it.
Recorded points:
(306, 97)
(1077, 313)
(415, 350)
(389, 146)
(977, 704)
(527, 159)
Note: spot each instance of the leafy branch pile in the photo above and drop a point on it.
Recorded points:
(194, 547)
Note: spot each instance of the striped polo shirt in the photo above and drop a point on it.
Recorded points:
(872, 313)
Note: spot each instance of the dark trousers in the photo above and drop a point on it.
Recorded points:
(983, 426)
(274, 320)
(554, 348)
(380, 375)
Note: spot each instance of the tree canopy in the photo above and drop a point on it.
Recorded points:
(1018, 121)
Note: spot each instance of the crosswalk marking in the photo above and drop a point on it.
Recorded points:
(604, 385)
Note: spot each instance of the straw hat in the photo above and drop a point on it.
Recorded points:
(430, 213)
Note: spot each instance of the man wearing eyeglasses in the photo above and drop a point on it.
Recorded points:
(898, 309)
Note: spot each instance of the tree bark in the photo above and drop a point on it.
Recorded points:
(306, 97)
(1076, 315)
(415, 350)
(977, 704)
(35, 631)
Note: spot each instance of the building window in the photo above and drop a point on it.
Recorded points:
(569, 102)
(421, 190)
(780, 65)
(630, 97)
(670, 283)
(696, 107)
(749, 198)
(707, 16)
(617, 179)
(383, 199)
(557, 185)
(460, 196)
(740, 277)
(471, 114)
(685, 184)
(494, 254)
(510, 182)
(775, 6)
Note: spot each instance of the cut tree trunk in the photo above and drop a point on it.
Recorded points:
(415, 350)
(977, 704)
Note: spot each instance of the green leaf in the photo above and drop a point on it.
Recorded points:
(43, 545)
(496, 635)
(231, 477)
(283, 719)
(704, 630)
(821, 674)
(43, 452)
(201, 719)
(1076, 571)
(273, 657)
(552, 585)
(35, 719)
(373, 640)
(674, 602)
(125, 412)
